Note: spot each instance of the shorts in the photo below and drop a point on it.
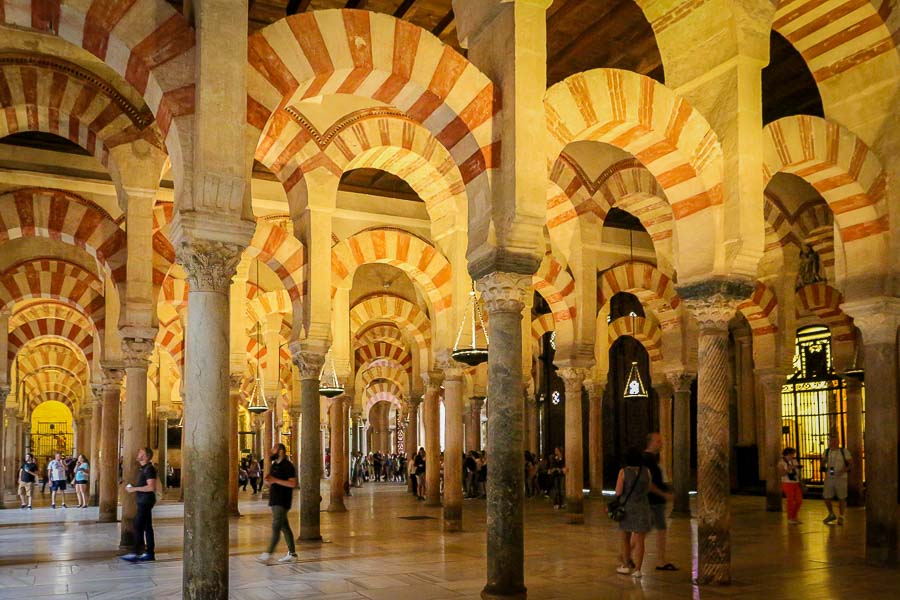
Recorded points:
(81, 482)
(56, 486)
(835, 487)
(25, 488)
(659, 516)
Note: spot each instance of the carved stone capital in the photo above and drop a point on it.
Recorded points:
(97, 393)
(309, 363)
(12, 412)
(113, 374)
(452, 373)
(476, 403)
(235, 380)
(4, 392)
(877, 319)
(137, 351)
(713, 302)
(414, 403)
(433, 379)
(680, 381)
(573, 377)
(209, 265)
(594, 389)
(504, 292)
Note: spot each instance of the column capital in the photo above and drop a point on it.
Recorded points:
(234, 381)
(209, 264)
(664, 388)
(4, 393)
(594, 388)
(12, 412)
(97, 394)
(476, 403)
(452, 373)
(713, 302)
(876, 318)
(309, 357)
(113, 374)
(433, 379)
(137, 348)
(680, 380)
(573, 377)
(504, 292)
(771, 379)
(414, 402)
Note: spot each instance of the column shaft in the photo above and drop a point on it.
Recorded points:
(854, 441)
(309, 363)
(96, 441)
(503, 296)
(595, 438)
(432, 417)
(453, 408)
(681, 438)
(412, 439)
(573, 379)
(162, 449)
(234, 452)
(338, 466)
(109, 447)
(771, 384)
(135, 425)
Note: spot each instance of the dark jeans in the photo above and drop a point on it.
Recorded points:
(143, 528)
(559, 489)
(253, 481)
(281, 524)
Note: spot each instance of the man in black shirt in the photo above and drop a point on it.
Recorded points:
(27, 478)
(658, 502)
(282, 479)
(145, 488)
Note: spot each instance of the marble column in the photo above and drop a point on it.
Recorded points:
(109, 443)
(234, 451)
(336, 414)
(162, 447)
(681, 441)
(877, 321)
(595, 391)
(453, 448)
(532, 428)
(4, 392)
(209, 266)
(503, 295)
(745, 388)
(11, 414)
(309, 357)
(136, 426)
(295, 434)
(771, 382)
(854, 440)
(432, 417)
(412, 437)
(664, 395)
(573, 378)
(713, 304)
(96, 441)
(473, 427)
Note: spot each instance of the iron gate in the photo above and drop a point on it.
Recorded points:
(49, 438)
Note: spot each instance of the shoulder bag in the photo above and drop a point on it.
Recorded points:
(615, 510)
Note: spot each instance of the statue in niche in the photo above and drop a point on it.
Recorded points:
(810, 269)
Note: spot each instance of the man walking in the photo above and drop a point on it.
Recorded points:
(836, 463)
(56, 473)
(658, 502)
(145, 488)
(282, 479)
(27, 478)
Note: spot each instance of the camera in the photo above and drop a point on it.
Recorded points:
(831, 471)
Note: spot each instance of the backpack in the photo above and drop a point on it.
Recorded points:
(843, 455)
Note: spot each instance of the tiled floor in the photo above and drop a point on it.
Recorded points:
(374, 554)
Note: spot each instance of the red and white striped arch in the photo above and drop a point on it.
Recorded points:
(539, 327)
(64, 216)
(386, 308)
(390, 373)
(383, 391)
(779, 224)
(170, 337)
(557, 286)
(379, 57)
(385, 350)
(824, 302)
(51, 328)
(424, 263)
(761, 310)
(662, 131)
(847, 175)
(55, 279)
(268, 303)
(147, 42)
(835, 36)
(646, 330)
(652, 287)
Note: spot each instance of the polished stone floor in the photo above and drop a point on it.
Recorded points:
(373, 552)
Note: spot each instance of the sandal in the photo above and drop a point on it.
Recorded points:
(667, 567)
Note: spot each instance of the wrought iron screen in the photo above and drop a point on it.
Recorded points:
(49, 438)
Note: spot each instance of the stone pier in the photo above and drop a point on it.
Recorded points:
(137, 352)
(595, 391)
(432, 418)
(109, 443)
(681, 441)
(337, 417)
(574, 378)
(309, 356)
(453, 436)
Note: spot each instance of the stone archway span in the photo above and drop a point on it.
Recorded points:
(646, 330)
(652, 287)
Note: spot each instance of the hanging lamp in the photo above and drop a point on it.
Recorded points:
(258, 403)
(329, 386)
(634, 387)
(473, 354)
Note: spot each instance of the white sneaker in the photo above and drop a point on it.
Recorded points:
(636, 574)
(623, 569)
(264, 557)
(288, 558)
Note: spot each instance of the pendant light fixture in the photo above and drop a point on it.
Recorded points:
(472, 354)
(329, 386)
(258, 403)
(634, 387)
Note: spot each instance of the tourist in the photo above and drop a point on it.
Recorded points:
(482, 474)
(253, 475)
(56, 473)
(282, 479)
(82, 478)
(789, 467)
(836, 463)
(327, 462)
(145, 488)
(27, 474)
(243, 478)
(557, 471)
(531, 470)
(420, 474)
(470, 467)
(632, 486)
(658, 501)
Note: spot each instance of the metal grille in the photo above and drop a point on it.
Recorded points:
(49, 438)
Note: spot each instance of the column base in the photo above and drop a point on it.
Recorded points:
(432, 502)
(234, 513)
(310, 540)
(336, 507)
(107, 519)
(489, 593)
(575, 518)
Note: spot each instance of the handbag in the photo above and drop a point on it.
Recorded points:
(615, 510)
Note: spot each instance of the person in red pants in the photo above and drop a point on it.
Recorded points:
(790, 483)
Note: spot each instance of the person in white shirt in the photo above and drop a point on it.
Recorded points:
(56, 473)
(836, 463)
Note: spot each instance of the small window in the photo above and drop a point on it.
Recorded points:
(554, 397)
